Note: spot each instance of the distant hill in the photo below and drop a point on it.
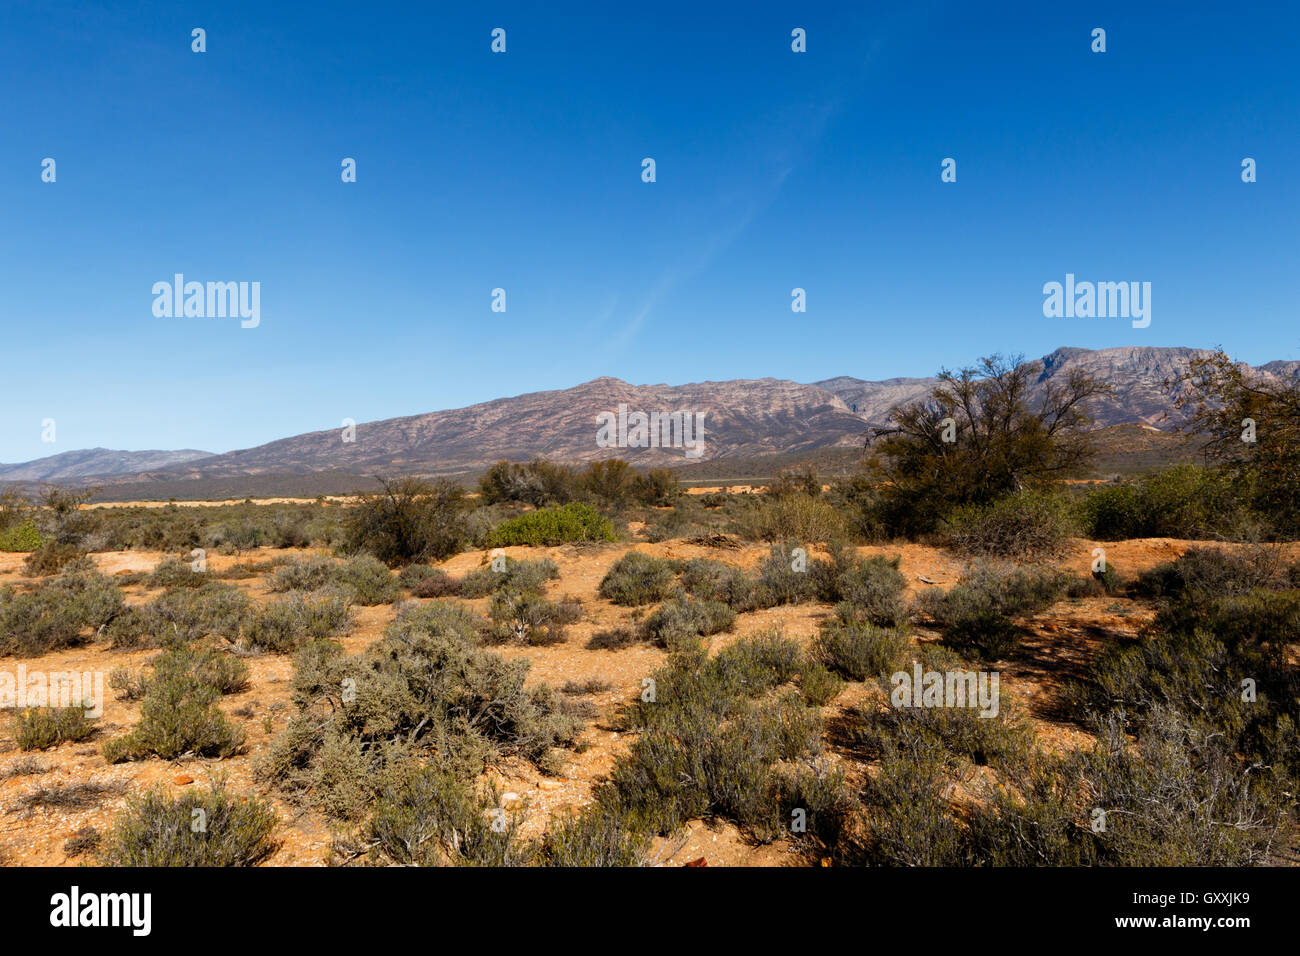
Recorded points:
(71, 466)
(747, 422)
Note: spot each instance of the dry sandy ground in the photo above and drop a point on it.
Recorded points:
(1061, 641)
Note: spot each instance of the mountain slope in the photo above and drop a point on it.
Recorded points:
(743, 419)
(74, 465)
(756, 417)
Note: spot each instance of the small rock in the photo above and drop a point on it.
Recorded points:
(182, 780)
(549, 785)
(510, 797)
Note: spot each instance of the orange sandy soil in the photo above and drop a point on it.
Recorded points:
(1061, 641)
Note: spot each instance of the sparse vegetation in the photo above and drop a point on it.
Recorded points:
(404, 745)
(425, 689)
(64, 612)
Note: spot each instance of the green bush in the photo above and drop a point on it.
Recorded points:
(366, 581)
(410, 521)
(1097, 583)
(537, 483)
(819, 684)
(431, 818)
(215, 609)
(218, 669)
(596, 837)
(1003, 738)
(719, 581)
(20, 537)
(867, 590)
(1200, 576)
(793, 517)
(785, 577)
(175, 573)
(1183, 501)
(711, 741)
(550, 526)
(525, 617)
(59, 614)
(911, 822)
(52, 557)
(39, 727)
(1167, 799)
(310, 575)
(638, 578)
(197, 828)
(414, 622)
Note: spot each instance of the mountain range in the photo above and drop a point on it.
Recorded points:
(743, 419)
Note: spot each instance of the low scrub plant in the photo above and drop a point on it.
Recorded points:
(37, 728)
(158, 830)
(637, 579)
(285, 625)
(683, 621)
(979, 613)
(513, 574)
(64, 612)
(178, 715)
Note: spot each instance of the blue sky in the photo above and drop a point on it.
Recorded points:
(522, 170)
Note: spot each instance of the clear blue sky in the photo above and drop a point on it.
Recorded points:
(523, 171)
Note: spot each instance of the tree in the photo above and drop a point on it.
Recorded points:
(65, 522)
(1250, 426)
(410, 520)
(983, 433)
